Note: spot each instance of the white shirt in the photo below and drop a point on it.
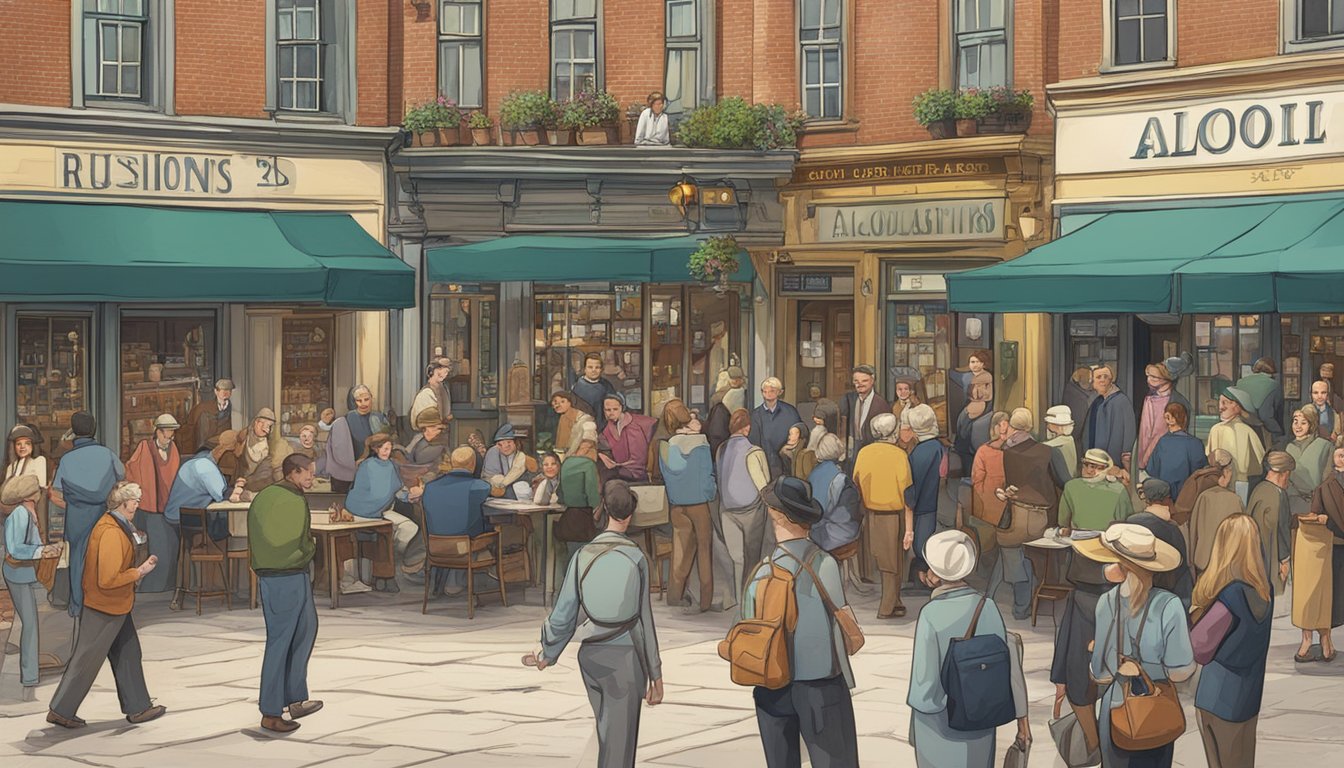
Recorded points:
(652, 129)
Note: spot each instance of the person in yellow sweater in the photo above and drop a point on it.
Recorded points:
(106, 630)
(882, 474)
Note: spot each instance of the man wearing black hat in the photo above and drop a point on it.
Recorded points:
(821, 676)
(85, 477)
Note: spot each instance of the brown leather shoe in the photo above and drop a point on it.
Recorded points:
(279, 724)
(896, 613)
(153, 713)
(65, 722)
(304, 708)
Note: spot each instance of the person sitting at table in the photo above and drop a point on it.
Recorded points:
(421, 449)
(628, 436)
(454, 504)
(370, 497)
(504, 463)
(200, 482)
(568, 429)
(1096, 499)
(546, 485)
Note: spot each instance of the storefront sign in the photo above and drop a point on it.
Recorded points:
(978, 219)
(805, 282)
(1268, 128)
(169, 172)
(896, 170)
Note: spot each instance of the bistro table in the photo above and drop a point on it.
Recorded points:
(1051, 544)
(327, 533)
(500, 512)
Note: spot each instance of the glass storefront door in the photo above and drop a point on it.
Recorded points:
(167, 366)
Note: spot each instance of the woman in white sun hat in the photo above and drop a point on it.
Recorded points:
(1146, 624)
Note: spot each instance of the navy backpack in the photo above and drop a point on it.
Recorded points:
(977, 676)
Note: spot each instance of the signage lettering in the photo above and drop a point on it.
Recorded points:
(805, 282)
(980, 219)
(896, 171)
(1219, 129)
(186, 174)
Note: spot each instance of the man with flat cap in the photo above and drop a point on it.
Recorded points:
(1095, 500)
(85, 477)
(816, 707)
(1235, 435)
(207, 420)
(1269, 509)
(153, 467)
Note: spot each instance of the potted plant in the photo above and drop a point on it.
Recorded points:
(972, 107)
(1009, 111)
(732, 123)
(592, 115)
(936, 109)
(480, 125)
(419, 122)
(524, 114)
(434, 123)
(715, 261)
(558, 132)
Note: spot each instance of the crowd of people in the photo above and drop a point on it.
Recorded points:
(1174, 548)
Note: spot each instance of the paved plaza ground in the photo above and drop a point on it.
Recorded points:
(403, 689)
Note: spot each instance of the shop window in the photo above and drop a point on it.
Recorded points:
(820, 30)
(568, 327)
(920, 352)
(461, 68)
(574, 46)
(1139, 33)
(1225, 348)
(52, 380)
(308, 57)
(465, 329)
(1094, 340)
(982, 50)
(167, 364)
(123, 53)
(306, 371)
(667, 337)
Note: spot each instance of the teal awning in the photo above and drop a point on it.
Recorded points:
(124, 253)
(1251, 257)
(559, 259)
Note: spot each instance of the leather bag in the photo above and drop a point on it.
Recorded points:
(1146, 720)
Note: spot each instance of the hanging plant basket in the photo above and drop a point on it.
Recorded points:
(715, 262)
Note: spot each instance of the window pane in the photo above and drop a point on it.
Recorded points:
(1127, 42)
(690, 78)
(133, 7)
(1155, 6)
(812, 102)
(305, 25)
(110, 42)
(811, 67)
(107, 6)
(1315, 18)
(130, 80)
(305, 61)
(450, 70)
(471, 75)
(1155, 39)
(830, 66)
(673, 83)
(286, 61)
(130, 43)
(1337, 17)
(966, 15)
(970, 66)
(832, 102)
(107, 83)
(562, 82)
(681, 18)
(284, 26)
(305, 95)
(811, 14)
(994, 19)
(585, 9)
(471, 19)
(450, 19)
(563, 46)
(585, 78)
(1126, 7)
(831, 13)
(286, 4)
(583, 44)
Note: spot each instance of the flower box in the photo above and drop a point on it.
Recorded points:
(480, 137)
(559, 137)
(942, 129)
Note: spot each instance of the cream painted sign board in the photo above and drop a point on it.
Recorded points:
(925, 221)
(1280, 126)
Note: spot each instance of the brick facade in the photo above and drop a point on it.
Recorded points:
(35, 53)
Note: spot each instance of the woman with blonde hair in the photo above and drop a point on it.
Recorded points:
(1232, 612)
(1318, 564)
(1311, 453)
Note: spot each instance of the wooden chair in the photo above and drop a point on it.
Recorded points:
(467, 553)
(662, 553)
(190, 581)
(244, 557)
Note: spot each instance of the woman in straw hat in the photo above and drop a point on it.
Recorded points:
(1152, 629)
(23, 543)
(1318, 564)
(1232, 614)
(951, 557)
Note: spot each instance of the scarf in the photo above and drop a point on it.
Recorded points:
(361, 429)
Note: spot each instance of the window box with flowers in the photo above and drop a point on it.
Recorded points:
(972, 107)
(936, 110)
(732, 123)
(434, 123)
(715, 261)
(523, 116)
(480, 124)
(1009, 111)
(594, 117)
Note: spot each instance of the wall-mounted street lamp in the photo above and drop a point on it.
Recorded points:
(709, 206)
(683, 195)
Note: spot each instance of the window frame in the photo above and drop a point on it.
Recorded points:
(337, 92)
(570, 24)
(1108, 31)
(693, 44)
(157, 54)
(1007, 36)
(842, 51)
(460, 41)
(1290, 32)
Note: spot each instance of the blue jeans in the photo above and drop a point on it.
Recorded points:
(24, 597)
(291, 630)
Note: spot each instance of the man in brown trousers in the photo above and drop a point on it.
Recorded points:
(1032, 492)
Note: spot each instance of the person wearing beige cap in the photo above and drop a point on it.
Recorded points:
(1269, 507)
(1233, 434)
(429, 425)
(1059, 426)
(1213, 506)
(153, 467)
(1096, 499)
(1031, 495)
(264, 450)
(1153, 621)
(23, 547)
(207, 420)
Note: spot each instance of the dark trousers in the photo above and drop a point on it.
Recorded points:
(341, 486)
(103, 636)
(820, 713)
(291, 630)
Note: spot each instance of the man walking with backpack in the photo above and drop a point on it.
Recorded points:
(811, 675)
(609, 580)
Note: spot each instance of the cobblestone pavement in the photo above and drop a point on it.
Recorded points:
(403, 689)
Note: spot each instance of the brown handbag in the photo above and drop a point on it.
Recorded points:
(1148, 720)
(44, 566)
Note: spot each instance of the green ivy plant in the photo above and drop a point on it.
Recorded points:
(523, 110)
(715, 257)
(934, 105)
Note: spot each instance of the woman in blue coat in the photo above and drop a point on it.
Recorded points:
(1232, 613)
(23, 542)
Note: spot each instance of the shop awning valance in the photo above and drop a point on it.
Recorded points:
(559, 259)
(124, 253)
(1283, 256)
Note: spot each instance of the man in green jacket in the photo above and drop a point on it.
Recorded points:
(279, 529)
(1095, 500)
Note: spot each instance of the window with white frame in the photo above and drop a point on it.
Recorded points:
(461, 62)
(1140, 32)
(573, 47)
(1320, 20)
(117, 49)
(300, 54)
(819, 38)
(683, 44)
(981, 40)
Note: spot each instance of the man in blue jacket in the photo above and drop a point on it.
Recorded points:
(1110, 423)
(454, 505)
(83, 480)
(770, 424)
